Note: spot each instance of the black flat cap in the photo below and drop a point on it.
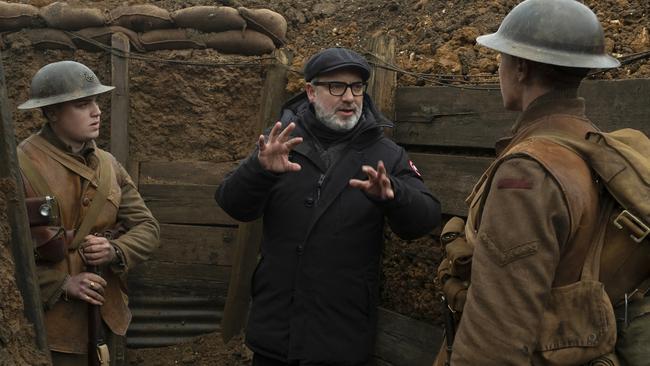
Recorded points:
(333, 59)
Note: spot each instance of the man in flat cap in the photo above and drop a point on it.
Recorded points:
(324, 179)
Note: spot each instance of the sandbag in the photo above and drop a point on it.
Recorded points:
(169, 39)
(49, 38)
(249, 42)
(103, 35)
(209, 18)
(141, 18)
(60, 15)
(18, 16)
(266, 21)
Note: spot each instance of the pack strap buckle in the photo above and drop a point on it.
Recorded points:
(639, 230)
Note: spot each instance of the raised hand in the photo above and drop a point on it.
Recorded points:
(378, 185)
(274, 153)
(86, 286)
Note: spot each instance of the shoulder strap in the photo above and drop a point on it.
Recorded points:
(36, 180)
(101, 196)
(65, 160)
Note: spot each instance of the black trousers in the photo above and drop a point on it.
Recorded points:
(259, 360)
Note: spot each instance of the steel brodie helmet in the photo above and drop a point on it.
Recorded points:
(556, 32)
(63, 81)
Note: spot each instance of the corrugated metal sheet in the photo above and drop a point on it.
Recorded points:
(163, 321)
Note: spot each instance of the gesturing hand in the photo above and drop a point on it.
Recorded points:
(274, 153)
(378, 185)
(87, 287)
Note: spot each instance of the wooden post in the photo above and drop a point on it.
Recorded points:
(120, 99)
(21, 241)
(249, 235)
(383, 83)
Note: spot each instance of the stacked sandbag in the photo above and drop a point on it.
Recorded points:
(248, 42)
(209, 18)
(60, 15)
(141, 18)
(267, 22)
(86, 38)
(41, 38)
(228, 30)
(14, 17)
(169, 39)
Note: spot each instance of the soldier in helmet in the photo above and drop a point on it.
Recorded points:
(94, 197)
(533, 213)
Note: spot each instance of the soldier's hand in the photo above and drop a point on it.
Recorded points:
(274, 152)
(87, 287)
(97, 250)
(378, 184)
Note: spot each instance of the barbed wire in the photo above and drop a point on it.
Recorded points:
(460, 81)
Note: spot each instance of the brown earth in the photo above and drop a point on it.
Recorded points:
(17, 340)
(207, 113)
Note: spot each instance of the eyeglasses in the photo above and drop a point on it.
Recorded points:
(338, 88)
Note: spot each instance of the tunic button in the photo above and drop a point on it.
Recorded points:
(85, 201)
(309, 201)
(300, 249)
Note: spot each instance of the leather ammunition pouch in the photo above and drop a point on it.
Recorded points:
(50, 242)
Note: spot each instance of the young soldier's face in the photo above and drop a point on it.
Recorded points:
(78, 120)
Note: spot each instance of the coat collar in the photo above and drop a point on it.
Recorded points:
(534, 119)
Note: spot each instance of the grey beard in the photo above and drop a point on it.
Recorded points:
(334, 122)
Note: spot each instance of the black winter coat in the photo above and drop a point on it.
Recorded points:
(315, 289)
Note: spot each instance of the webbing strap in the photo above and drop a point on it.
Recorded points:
(101, 197)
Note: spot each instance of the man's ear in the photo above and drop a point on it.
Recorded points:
(49, 112)
(523, 69)
(311, 92)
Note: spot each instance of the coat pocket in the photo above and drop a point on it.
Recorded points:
(578, 324)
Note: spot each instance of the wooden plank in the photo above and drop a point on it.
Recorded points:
(452, 117)
(450, 177)
(21, 242)
(404, 341)
(185, 172)
(383, 82)
(120, 99)
(196, 244)
(180, 275)
(184, 204)
(249, 236)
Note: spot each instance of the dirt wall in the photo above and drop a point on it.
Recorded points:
(177, 112)
(17, 340)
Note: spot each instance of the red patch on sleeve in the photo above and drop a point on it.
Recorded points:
(414, 168)
(513, 183)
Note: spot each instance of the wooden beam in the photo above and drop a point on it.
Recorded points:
(402, 340)
(249, 235)
(451, 177)
(383, 83)
(120, 99)
(184, 204)
(184, 172)
(21, 241)
(452, 117)
(191, 244)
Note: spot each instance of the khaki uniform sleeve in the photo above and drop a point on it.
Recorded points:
(143, 232)
(50, 282)
(525, 220)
